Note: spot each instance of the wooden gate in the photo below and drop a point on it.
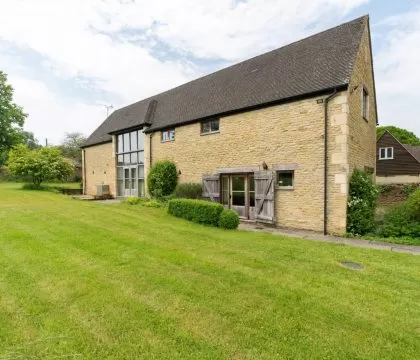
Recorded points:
(264, 196)
(211, 187)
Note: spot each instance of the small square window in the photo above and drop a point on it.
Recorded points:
(210, 126)
(386, 153)
(365, 104)
(285, 179)
(168, 135)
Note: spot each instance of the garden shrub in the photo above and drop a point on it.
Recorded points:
(413, 205)
(403, 220)
(143, 202)
(386, 188)
(162, 178)
(189, 191)
(199, 211)
(408, 189)
(229, 219)
(362, 202)
(132, 201)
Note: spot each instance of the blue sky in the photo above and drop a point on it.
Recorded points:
(67, 58)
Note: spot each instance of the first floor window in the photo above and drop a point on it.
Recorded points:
(168, 135)
(386, 153)
(129, 142)
(210, 126)
(285, 179)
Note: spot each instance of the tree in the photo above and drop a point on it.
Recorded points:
(44, 164)
(71, 144)
(12, 118)
(28, 138)
(402, 135)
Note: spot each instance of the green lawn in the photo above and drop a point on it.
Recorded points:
(84, 280)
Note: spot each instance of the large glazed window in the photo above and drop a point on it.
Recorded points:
(130, 163)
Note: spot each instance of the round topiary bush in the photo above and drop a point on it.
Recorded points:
(162, 178)
(229, 219)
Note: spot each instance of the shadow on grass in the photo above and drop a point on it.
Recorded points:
(40, 187)
(64, 188)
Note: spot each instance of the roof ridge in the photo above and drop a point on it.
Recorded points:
(316, 63)
(403, 145)
(366, 16)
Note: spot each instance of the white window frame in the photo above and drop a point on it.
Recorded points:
(168, 135)
(285, 187)
(211, 131)
(386, 157)
(365, 109)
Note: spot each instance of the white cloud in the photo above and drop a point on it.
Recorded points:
(83, 38)
(397, 71)
(51, 115)
(227, 29)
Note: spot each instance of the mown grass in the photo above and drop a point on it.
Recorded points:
(84, 280)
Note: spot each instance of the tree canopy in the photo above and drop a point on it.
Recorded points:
(402, 135)
(12, 118)
(43, 164)
(28, 138)
(70, 146)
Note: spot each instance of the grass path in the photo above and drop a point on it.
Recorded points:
(82, 280)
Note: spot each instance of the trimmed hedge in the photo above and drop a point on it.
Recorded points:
(229, 219)
(189, 191)
(199, 211)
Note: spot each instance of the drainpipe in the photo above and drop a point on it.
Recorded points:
(326, 159)
(150, 150)
(84, 170)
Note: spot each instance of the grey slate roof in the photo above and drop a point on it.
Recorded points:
(318, 63)
(413, 150)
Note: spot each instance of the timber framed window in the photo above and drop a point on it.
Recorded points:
(168, 135)
(209, 127)
(285, 179)
(365, 103)
(386, 153)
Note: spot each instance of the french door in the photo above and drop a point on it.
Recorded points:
(238, 193)
(130, 181)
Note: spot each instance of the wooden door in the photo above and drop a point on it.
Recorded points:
(264, 196)
(211, 187)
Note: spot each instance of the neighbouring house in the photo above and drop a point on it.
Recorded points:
(275, 137)
(396, 163)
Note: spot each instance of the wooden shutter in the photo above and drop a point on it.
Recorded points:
(211, 187)
(264, 196)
